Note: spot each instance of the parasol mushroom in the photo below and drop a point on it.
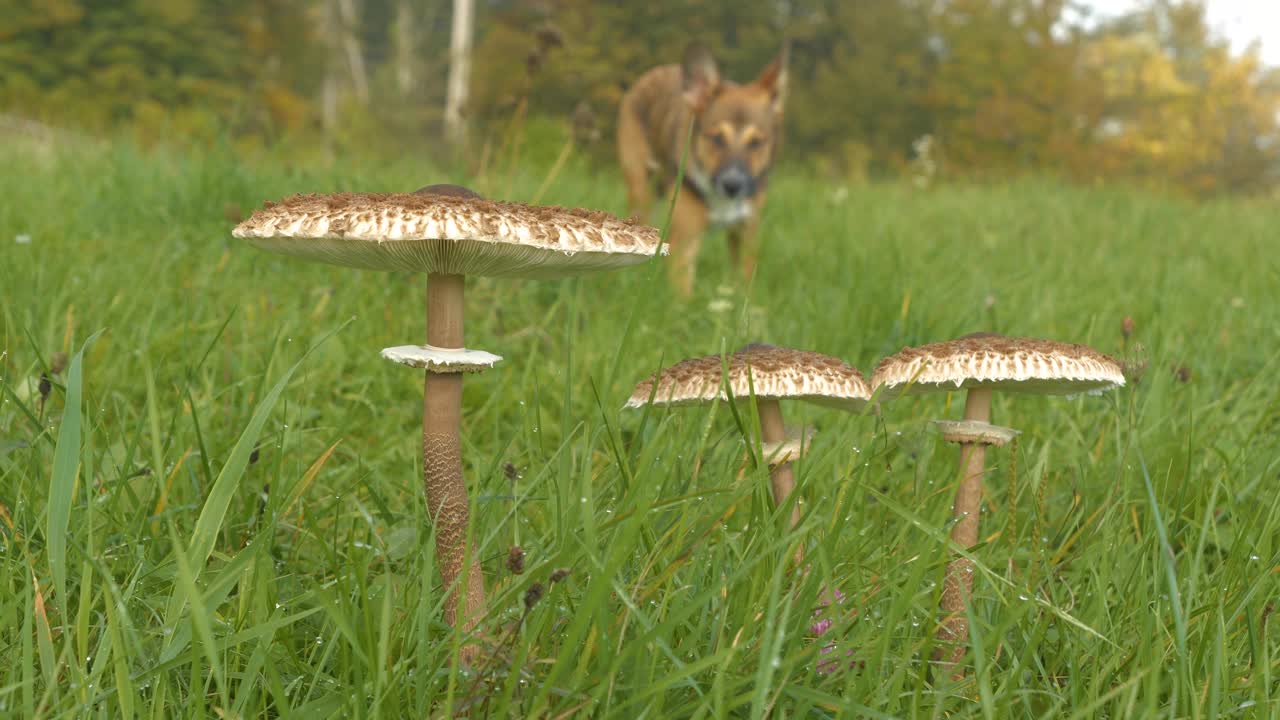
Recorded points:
(770, 373)
(448, 232)
(982, 363)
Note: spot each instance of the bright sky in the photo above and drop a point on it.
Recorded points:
(1240, 21)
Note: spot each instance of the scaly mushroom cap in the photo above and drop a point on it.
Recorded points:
(987, 360)
(773, 372)
(452, 233)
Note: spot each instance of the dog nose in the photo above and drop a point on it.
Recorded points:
(733, 186)
(733, 181)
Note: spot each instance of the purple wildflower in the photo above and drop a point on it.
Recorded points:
(825, 600)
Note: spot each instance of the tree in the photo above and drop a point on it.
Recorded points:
(1178, 108)
(877, 54)
(1008, 94)
(459, 71)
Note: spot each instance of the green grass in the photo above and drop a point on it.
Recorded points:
(218, 512)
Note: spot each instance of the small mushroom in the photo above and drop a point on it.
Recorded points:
(448, 232)
(982, 363)
(773, 373)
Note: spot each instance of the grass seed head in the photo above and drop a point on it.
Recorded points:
(533, 595)
(1127, 326)
(515, 560)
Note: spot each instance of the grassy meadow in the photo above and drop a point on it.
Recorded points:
(217, 510)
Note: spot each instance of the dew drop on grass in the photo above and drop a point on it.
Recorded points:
(1254, 557)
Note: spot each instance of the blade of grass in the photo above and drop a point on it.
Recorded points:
(62, 480)
(212, 515)
(119, 661)
(199, 615)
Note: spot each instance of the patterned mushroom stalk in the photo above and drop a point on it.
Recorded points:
(769, 374)
(981, 364)
(448, 232)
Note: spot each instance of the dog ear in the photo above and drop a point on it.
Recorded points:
(774, 78)
(701, 75)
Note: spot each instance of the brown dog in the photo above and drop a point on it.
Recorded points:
(735, 136)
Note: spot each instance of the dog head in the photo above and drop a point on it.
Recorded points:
(736, 128)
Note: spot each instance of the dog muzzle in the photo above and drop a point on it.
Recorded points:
(734, 182)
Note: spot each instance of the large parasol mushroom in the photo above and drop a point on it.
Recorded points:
(448, 232)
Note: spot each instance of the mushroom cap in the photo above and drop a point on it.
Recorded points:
(435, 231)
(987, 360)
(773, 372)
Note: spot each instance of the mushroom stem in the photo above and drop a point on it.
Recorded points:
(447, 504)
(772, 431)
(967, 509)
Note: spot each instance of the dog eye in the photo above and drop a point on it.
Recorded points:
(755, 143)
(718, 140)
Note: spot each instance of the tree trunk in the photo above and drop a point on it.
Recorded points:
(404, 47)
(329, 86)
(455, 125)
(351, 45)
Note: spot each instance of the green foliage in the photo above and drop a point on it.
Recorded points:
(860, 76)
(1002, 86)
(1132, 541)
(185, 67)
(999, 86)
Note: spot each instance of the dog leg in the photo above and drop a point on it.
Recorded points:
(688, 223)
(744, 245)
(635, 156)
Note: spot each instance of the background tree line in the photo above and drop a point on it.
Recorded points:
(1000, 86)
